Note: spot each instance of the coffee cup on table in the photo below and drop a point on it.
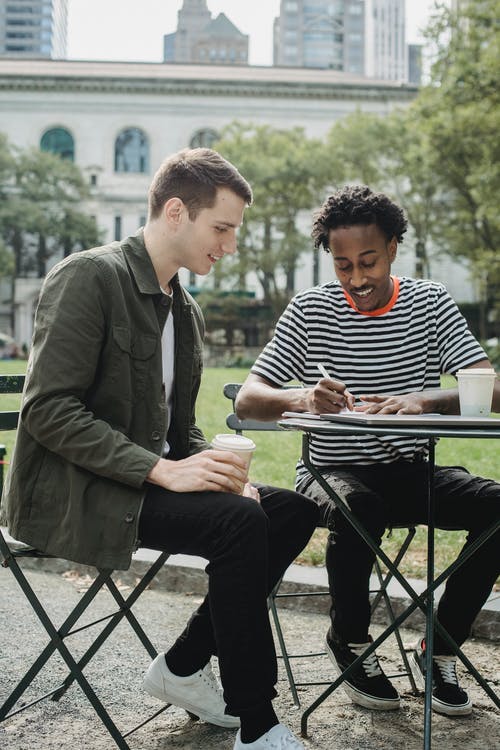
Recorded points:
(475, 391)
(239, 444)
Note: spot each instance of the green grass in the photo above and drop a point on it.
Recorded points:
(276, 456)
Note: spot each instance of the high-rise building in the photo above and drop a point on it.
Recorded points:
(365, 37)
(385, 40)
(199, 38)
(33, 28)
(320, 34)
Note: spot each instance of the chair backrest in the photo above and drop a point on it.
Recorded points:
(10, 384)
(8, 418)
(238, 425)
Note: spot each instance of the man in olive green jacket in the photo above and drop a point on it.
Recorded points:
(108, 455)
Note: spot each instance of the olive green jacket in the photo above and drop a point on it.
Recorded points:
(93, 417)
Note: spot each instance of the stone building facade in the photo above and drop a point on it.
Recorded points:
(121, 119)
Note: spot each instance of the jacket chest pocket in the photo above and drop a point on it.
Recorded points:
(133, 354)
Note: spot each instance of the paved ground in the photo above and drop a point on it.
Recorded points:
(118, 668)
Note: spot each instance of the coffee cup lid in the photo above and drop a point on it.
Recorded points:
(233, 442)
(476, 371)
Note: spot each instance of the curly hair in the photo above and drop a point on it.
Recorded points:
(357, 204)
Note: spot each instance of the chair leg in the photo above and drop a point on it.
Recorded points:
(401, 553)
(397, 633)
(383, 594)
(124, 611)
(57, 643)
(52, 646)
(284, 652)
(126, 604)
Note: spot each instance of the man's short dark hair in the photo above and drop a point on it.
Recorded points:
(357, 204)
(194, 175)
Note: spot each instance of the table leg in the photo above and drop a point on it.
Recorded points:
(429, 619)
(425, 601)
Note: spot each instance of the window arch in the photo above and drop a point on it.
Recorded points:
(58, 141)
(132, 151)
(204, 138)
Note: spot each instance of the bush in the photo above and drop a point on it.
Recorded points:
(492, 349)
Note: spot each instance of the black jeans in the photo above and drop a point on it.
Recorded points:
(395, 494)
(249, 546)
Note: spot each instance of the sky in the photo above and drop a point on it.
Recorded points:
(133, 29)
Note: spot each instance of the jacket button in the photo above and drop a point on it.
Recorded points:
(129, 518)
(155, 435)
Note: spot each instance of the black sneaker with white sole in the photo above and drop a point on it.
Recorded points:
(367, 685)
(447, 696)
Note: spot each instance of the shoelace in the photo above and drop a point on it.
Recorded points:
(447, 666)
(370, 664)
(211, 680)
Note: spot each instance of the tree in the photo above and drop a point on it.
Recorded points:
(287, 172)
(460, 114)
(439, 157)
(390, 153)
(6, 169)
(40, 215)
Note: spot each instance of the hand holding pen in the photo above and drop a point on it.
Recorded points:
(339, 395)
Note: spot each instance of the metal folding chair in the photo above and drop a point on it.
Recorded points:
(11, 554)
(381, 594)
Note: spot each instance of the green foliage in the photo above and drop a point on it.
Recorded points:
(287, 172)
(40, 213)
(460, 114)
(6, 260)
(439, 157)
(233, 313)
(391, 154)
(493, 352)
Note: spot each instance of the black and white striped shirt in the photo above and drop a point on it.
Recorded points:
(400, 349)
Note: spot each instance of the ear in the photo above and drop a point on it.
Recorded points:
(173, 211)
(392, 249)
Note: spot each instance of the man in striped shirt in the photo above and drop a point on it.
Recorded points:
(385, 341)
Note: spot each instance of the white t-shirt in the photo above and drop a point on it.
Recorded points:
(168, 355)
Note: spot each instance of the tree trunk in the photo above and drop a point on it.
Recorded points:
(316, 266)
(421, 260)
(41, 257)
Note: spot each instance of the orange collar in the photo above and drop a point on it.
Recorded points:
(381, 310)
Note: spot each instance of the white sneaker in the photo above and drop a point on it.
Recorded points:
(199, 693)
(278, 738)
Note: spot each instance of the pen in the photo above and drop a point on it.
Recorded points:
(349, 399)
(323, 370)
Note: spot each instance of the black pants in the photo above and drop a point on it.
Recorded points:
(386, 495)
(249, 546)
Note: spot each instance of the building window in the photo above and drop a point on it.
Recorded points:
(204, 138)
(132, 151)
(58, 141)
(118, 227)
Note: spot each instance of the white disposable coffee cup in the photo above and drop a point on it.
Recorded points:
(475, 391)
(238, 444)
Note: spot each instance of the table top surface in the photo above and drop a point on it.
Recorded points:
(417, 428)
